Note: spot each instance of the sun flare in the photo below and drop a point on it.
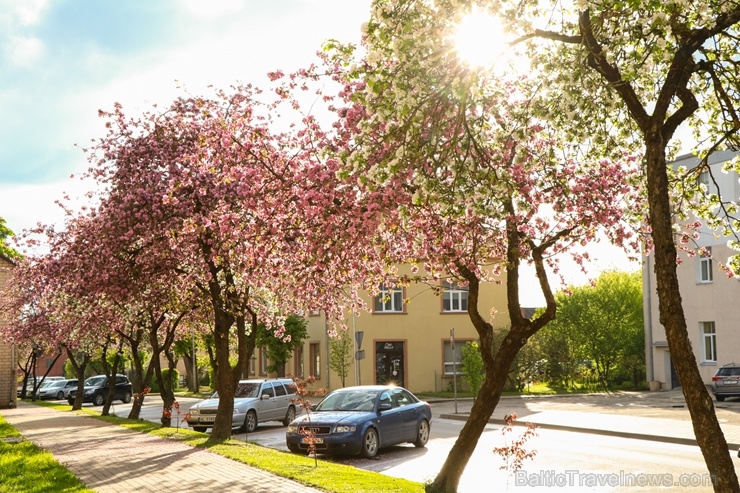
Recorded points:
(480, 39)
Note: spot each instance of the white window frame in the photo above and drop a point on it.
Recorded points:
(705, 274)
(447, 355)
(703, 179)
(454, 298)
(263, 361)
(314, 351)
(389, 300)
(708, 342)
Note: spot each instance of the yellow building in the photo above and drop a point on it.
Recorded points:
(405, 339)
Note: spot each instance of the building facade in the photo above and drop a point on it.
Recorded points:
(708, 295)
(8, 356)
(405, 339)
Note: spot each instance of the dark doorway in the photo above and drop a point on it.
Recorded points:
(389, 363)
(675, 382)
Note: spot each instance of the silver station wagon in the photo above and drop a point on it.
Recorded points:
(256, 401)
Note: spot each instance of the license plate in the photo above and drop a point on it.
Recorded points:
(729, 382)
(207, 419)
(315, 440)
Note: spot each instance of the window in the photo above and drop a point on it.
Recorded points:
(389, 299)
(279, 389)
(263, 362)
(455, 298)
(705, 265)
(315, 354)
(298, 362)
(452, 361)
(253, 365)
(709, 340)
(703, 179)
(268, 390)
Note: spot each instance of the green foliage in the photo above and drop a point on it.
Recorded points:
(174, 377)
(341, 354)
(5, 235)
(602, 324)
(472, 366)
(280, 349)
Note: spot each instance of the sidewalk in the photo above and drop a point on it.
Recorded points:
(110, 458)
(656, 416)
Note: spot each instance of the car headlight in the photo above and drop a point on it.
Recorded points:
(194, 412)
(344, 429)
(88, 392)
(292, 429)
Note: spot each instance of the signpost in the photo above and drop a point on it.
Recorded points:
(454, 365)
(359, 354)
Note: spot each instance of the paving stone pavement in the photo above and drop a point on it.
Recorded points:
(112, 459)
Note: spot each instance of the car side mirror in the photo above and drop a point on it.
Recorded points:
(384, 407)
(265, 397)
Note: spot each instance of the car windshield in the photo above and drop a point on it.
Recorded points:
(95, 381)
(250, 389)
(363, 400)
(57, 383)
(244, 389)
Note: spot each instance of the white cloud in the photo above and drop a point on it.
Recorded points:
(24, 51)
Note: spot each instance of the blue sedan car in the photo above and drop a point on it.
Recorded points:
(362, 420)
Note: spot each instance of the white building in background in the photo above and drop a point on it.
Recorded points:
(710, 299)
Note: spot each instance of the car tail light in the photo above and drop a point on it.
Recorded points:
(716, 378)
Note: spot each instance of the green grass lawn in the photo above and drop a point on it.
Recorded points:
(320, 474)
(25, 468)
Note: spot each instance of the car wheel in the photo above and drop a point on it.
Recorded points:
(720, 398)
(60, 395)
(200, 429)
(289, 416)
(71, 402)
(369, 444)
(126, 397)
(98, 399)
(250, 422)
(422, 434)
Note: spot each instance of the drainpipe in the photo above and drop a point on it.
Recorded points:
(647, 313)
(13, 379)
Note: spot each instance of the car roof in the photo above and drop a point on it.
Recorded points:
(260, 380)
(376, 388)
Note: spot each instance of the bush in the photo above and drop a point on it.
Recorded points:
(174, 378)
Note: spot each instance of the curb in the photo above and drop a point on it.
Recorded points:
(596, 431)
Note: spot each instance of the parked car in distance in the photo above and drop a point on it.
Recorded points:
(57, 389)
(96, 389)
(255, 401)
(726, 382)
(32, 382)
(362, 420)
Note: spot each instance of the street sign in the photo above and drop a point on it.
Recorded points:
(360, 354)
(358, 339)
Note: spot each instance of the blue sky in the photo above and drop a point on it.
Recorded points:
(62, 60)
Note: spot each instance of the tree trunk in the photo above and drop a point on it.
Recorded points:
(225, 384)
(709, 435)
(190, 376)
(449, 475)
(79, 367)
